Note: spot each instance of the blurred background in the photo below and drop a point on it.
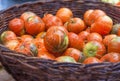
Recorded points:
(7, 3)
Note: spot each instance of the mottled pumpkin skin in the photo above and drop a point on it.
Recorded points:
(56, 40)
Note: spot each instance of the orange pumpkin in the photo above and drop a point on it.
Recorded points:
(56, 40)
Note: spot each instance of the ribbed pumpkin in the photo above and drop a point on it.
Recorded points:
(56, 40)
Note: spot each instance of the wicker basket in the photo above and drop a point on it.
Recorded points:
(24, 68)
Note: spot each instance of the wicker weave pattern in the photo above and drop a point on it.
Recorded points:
(24, 68)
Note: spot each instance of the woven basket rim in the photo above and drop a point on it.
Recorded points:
(34, 2)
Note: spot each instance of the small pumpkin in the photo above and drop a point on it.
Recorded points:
(56, 40)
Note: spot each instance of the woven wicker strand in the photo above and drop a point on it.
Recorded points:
(24, 68)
